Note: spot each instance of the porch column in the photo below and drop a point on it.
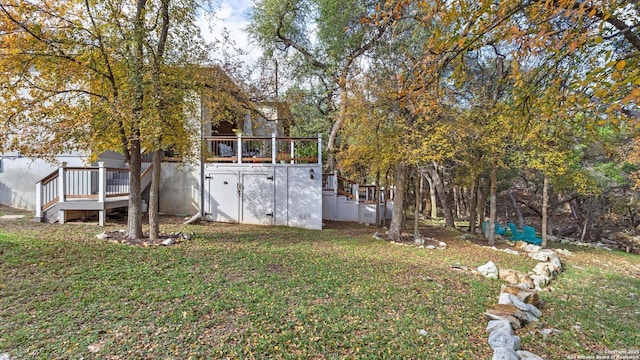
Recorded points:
(239, 151)
(274, 151)
(355, 190)
(293, 151)
(320, 149)
(61, 196)
(38, 201)
(61, 182)
(102, 192)
(102, 182)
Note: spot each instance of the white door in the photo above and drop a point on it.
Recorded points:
(223, 192)
(258, 198)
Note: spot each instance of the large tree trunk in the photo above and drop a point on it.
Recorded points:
(154, 192)
(416, 210)
(395, 228)
(342, 117)
(473, 214)
(545, 208)
(422, 193)
(377, 198)
(154, 224)
(433, 207)
(516, 207)
(482, 197)
(134, 217)
(493, 203)
(442, 194)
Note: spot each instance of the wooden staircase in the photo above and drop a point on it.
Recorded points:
(95, 188)
(348, 189)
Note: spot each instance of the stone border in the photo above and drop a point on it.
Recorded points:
(518, 302)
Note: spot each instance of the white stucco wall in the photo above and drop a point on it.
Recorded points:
(19, 175)
(304, 196)
(179, 189)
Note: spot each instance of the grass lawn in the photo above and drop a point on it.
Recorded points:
(254, 292)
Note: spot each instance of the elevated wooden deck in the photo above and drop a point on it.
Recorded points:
(262, 149)
(93, 188)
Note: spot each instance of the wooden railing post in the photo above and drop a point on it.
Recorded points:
(320, 148)
(335, 181)
(61, 182)
(61, 190)
(274, 151)
(102, 192)
(355, 191)
(293, 151)
(39, 202)
(102, 182)
(239, 151)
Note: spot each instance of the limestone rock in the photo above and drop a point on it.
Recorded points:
(515, 323)
(169, 241)
(504, 353)
(511, 313)
(532, 248)
(526, 295)
(489, 270)
(534, 310)
(521, 244)
(502, 325)
(102, 236)
(543, 268)
(501, 338)
(544, 255)
(525, 355)
(510, 251)
(510, 299)
(5, 356)
(514, 277)
(555, 265)
(531, 318)
(540, 281)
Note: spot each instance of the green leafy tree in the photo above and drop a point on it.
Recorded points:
(78, 76)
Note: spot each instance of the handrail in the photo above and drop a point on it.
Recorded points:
(77, 182)
(262, 149)
(45, 180)
(116, 169)
(347, 180)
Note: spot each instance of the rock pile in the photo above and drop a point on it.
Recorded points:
(119, 237)
(518, 302)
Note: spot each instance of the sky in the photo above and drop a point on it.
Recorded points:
(232, 15)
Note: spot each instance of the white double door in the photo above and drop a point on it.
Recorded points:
(239, 196)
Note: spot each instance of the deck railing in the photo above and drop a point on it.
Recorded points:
(340, 185)
(353, 190)
(263, 149)
(92, 183)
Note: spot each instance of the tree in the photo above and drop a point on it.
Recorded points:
(327, 37)
(85, 65)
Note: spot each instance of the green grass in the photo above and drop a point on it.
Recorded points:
(256, 292)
